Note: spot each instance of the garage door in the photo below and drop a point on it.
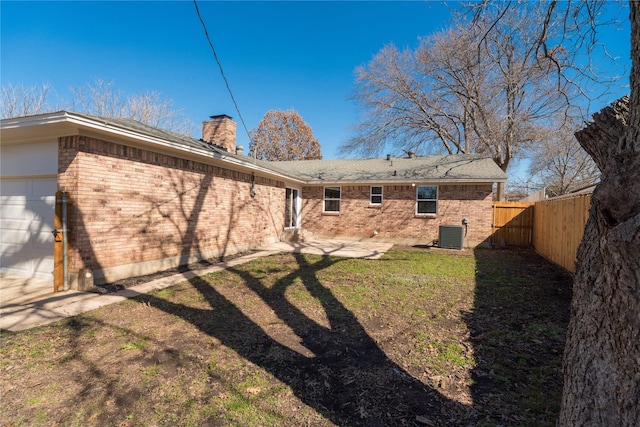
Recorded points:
(26, 241)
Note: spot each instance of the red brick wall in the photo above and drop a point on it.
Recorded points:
(131, 206)
(395, 220)
(220, 130)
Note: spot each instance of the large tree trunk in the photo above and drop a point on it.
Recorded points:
(602, 354)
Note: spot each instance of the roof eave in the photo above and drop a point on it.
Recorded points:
(104, 126)
(407, 182)
(35, 120)
(79, 121)
(247, 165)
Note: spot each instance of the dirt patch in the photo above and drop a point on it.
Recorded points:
(419, 337)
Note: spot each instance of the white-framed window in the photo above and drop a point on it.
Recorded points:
(427, 200)
(331, 200)
(375, 198)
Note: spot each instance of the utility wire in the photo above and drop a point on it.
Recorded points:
(226, 82)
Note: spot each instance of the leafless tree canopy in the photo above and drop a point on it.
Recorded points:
(103, 99)
(20, 100)
(560, 164)
(487, 84)
(100, 98)
(284, 135)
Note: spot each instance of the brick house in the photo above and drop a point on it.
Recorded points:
(141, 199)
(399, 199)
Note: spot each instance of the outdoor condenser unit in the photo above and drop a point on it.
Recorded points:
(451, 237)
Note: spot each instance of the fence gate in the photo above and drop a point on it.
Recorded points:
(512, 223)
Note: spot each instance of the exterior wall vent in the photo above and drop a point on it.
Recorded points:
(451, 237)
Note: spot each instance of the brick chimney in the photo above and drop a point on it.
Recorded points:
(220, 130)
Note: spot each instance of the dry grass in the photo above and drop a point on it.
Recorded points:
(419, 336)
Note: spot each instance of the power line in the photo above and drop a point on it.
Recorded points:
(226, 82)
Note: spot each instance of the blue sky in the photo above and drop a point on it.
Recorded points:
(276, 55)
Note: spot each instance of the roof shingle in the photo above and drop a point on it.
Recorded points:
(446, 168)
(467, 168)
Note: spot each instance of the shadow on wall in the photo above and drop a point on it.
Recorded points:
(183, 222)
(167, 228)
(512, 224)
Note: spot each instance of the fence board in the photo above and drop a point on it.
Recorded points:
(512, 223)
(559, 226)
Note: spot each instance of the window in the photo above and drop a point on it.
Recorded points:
(376, 196)
(427, 200)
(331, 199)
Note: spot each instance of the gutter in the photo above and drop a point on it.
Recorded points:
(102, 125)
(134, 134)
(407, 182)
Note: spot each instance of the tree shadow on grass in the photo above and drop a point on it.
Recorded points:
(341, 373)
(517, 327)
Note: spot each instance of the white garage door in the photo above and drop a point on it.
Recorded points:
(27, 211)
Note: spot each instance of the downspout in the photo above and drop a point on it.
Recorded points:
(493, 222)
(65, 258)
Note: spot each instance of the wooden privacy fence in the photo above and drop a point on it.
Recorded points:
(512, 223)
(559, 226)
(554, 227)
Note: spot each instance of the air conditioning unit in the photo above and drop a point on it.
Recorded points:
(451, 237)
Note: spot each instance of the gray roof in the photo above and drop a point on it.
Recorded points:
(449, 168)
(156, 132)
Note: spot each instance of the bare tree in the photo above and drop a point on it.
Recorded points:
(101, 98)
(284, 135)
(602, 353)
(472, 88)
(559, 163)
(19, 100)
(488, 85)
(151, 108)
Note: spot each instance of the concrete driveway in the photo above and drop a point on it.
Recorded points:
(17, 290)
(26, 303)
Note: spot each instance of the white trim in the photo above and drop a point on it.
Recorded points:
(297, 208)
(427, 200)
(371, 195)
(324, 199)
